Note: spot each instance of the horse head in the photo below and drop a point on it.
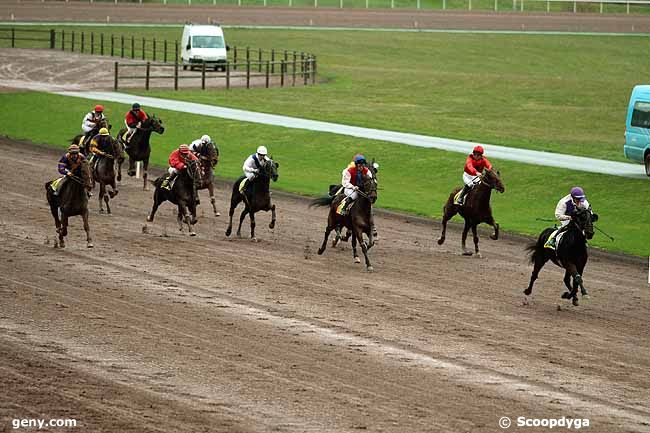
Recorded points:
(210, 152)
(154, 123)
(491, 178)
(194, 172)
(270, 169)
(86, 176)
(584, 220)
(369, 187)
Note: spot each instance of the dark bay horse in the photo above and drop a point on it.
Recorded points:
(139, 148)
(209, 158)
(256, 197)
(183, 194)
(570, 253)
(83, 145)
(104, 173)
(358, 219)
(71, 201)
(475, 211)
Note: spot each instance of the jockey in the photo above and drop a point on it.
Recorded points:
(563, 211)
(100, 145)
(351, 180)
(198, 146)
(178, 160)
(252, 166)
(91, 120)
(474, 165)
(133, 120)
(69, 165)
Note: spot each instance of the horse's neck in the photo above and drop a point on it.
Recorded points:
(573, 238)
(483, 193)
(73, 191)
(263, 184)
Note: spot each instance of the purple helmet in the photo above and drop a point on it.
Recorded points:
(577, 192)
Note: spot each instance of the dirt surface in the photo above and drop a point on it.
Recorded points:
(163, 332)
(425, 19)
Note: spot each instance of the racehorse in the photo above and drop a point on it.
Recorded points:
(570, 252)
(104, 173)
(476, 209)
(209, 158)
(71, 201)
(82, 140)
(256, 197)
(182, 193)
(358, 219)
(139, 148)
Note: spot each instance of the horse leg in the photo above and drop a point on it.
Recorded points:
(241, 220)
(573, 291)
(321, 250)
(540, 261)
(120, 160)
(131, 170)
(102, 194)
(475, 236)
(89, 241)
(154, 208)
(448, 211)
(145, 167)
(63, 231)
(187, 212)
(337, 238)
(358, 234)
(490, 221)
(354, 250)
(252, 217)
(180, 217)
(192, 211)
(212, 199)
(57, 223)
(272, 223)
(466, 252)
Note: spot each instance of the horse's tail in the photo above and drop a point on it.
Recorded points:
(537, 249)
(322, 201)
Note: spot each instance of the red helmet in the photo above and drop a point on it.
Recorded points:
(478, 149)
(99, 108)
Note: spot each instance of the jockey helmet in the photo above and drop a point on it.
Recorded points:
(359, 159)
(478, 149)
(577, 192)
(184, 148)
(73, 148)
(99, 108)
(262, 150)
(135, 106)
(206, 139)
(103, 131)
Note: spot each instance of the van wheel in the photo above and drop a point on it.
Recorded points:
(647, 164)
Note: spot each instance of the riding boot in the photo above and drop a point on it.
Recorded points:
(57, 190)
(243, 185)
(461, 197)
(344, 206)
(168, 182)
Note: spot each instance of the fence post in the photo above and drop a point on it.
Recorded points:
(227, 75)
(165, 55)
(313, 70)
(62, 40)
(52, 39)
(248, 54)
(72, 42)
(176, 49)
(176, 75)
(259, 60)
(13, 38)
(83, 41)
(305, 71)
(273, 60)
(234, 65)
(122, 46)
(143, 40)
(248, 74)
(92, 42)
(116, 76)
(302, 65)
(203, 76)
(283, 64)
(101, 39)
(154, 49)
(133, 47)
(267, 73)
(293, 71)
(146, 83)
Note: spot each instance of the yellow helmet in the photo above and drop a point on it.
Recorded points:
(103, 131)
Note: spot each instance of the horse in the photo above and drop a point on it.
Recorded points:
(104, 173)
(358, 219)
(71, 201)
(139, 148)
(183, 194)
(82, 140)
(209, 158)
(570, 253)
(476, 209)
(256, 197)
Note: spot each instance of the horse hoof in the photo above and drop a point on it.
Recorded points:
(149, 218)
(494, 238)
(130, 173)
(194, 221)
(357, 260)
(441, 241)
(101, 211)
(566, 295)
(321, 251)
(119, 178)
(586, 296)
(217, 214)
(527, 292)
(192, 233)
(228, 232)
(575, 302)
(272, 225)
(467, 253)
(478, 255)
(253, 239)
(370, 269)
(90, 245)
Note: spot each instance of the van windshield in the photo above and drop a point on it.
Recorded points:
(207, 42)
(641, 114)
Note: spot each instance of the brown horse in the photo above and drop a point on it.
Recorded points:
(358, 219)
(104, 173)
(139, 148)
(71, 201)
(82, 140)
(209, 157)
(476, 209)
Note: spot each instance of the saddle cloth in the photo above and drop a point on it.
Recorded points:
(55, 183)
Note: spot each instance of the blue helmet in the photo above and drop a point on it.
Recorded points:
(135, 106)
(359, 159)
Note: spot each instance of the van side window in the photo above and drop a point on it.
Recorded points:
(641, 115)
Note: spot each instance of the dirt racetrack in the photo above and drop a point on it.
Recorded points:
(160, 332)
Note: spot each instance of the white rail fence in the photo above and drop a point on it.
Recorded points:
(575, 6)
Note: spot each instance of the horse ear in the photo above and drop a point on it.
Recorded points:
(277, 164)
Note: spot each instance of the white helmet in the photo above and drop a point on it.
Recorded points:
(206, 139)
(262, 150)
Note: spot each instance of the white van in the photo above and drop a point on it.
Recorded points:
(203, 43)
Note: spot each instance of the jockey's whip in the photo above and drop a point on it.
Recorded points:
(545, 220)
(610, 238)
(596, 227)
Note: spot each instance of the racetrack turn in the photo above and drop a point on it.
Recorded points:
(158, 331)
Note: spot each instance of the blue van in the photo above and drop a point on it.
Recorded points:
(637, 127)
